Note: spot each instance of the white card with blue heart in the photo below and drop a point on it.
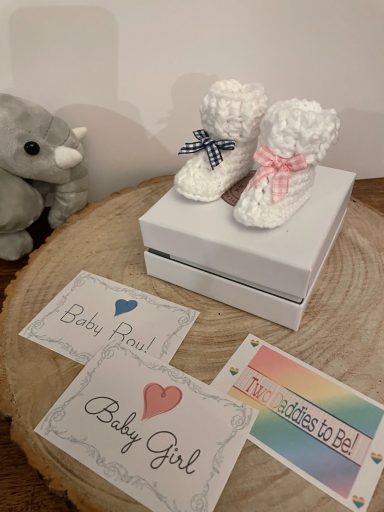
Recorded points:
(92, 311)
(162, 437)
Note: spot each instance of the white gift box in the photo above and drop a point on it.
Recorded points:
(267, 272)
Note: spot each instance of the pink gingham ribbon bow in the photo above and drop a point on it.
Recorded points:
(280, 168)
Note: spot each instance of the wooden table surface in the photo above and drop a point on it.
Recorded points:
(21, 488)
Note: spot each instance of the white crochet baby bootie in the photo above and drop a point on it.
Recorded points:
(230, 115)
(294, 136)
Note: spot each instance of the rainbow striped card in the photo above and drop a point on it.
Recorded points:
(325, 431)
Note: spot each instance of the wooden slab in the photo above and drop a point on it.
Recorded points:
(341, 334)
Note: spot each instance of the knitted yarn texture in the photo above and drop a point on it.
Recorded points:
(229, 110)
(288, 128)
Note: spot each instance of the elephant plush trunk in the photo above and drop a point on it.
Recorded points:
(66, 158)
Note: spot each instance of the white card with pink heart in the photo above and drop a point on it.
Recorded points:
(92, 311)
(159, 435)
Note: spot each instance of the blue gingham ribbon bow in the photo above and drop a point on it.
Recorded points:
(212, 147)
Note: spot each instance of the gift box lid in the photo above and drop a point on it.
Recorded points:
(282, 261)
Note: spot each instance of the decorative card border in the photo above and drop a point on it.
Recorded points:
(242, 418)
(187, 316)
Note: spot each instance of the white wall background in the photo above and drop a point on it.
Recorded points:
(134, 71)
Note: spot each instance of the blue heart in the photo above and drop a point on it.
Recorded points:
(124, 306)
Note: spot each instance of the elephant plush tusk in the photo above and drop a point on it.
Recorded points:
(80, 132)
(66, 158)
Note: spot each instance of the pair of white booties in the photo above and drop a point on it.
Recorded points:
(291, 136)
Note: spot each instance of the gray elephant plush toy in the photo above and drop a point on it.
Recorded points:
(39, 154)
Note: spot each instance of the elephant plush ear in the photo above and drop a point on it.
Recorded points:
(80, 132)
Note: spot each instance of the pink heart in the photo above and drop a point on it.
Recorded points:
(158, 400)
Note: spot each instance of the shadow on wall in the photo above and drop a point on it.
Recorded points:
(360, 147)
(63, 54)
(68, 55)
(187, 90)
